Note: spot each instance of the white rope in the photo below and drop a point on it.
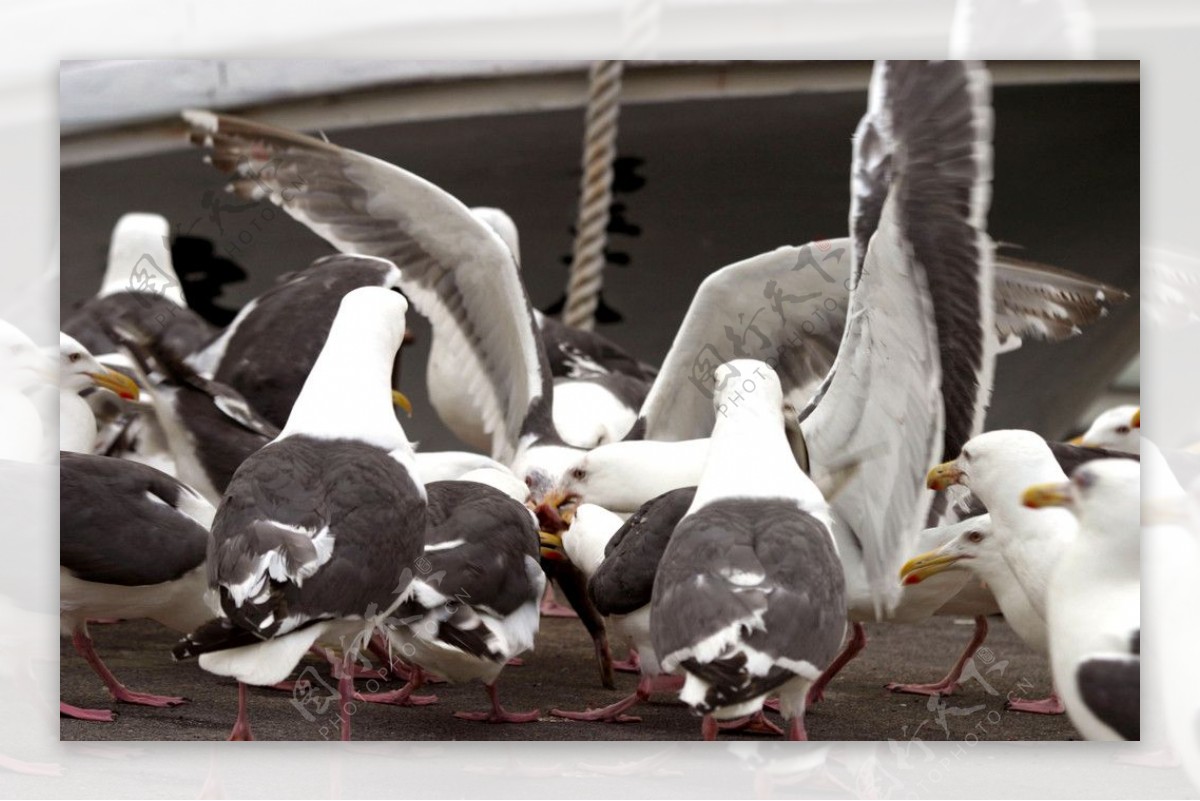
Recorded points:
(599, 152)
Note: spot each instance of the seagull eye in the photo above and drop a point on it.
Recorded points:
(1122, 429)
(966, 454)
(975, 536)
(74, 357)
(579, 474)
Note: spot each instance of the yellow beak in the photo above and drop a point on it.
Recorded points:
(928, 564)
(1042, 495)
(119, 383)
(551, 547)
(1076, 441)
(1136, 422)
(944, 475)
(401, 400)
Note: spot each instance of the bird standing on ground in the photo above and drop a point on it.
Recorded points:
(318, 533)
(1094, 598)
(133, 546)
(749, 599)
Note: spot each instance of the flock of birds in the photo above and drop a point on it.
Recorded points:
(734, 521)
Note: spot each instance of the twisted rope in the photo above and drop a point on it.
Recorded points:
(599, 151)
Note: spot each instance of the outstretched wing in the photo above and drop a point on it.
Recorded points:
(914, 369)
(457, 271)
(786, 307)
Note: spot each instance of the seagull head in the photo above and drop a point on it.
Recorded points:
(1117, 429)
(991, 462)
(970, 539)
(79, 370)
(1105, 494)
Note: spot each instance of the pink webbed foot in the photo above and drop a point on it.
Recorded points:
(498, 714)
(127, 696)
(1045, 706)
(613, 713)
(98, 715)
(631, 664)
(552, 608)
(938, 688)
(516, 661)
(402, 697)
(754, 724)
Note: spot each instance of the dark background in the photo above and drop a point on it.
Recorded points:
(723, 180)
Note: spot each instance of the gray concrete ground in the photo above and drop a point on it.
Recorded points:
(561, 673)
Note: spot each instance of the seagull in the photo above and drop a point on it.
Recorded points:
(319, 532)
(749, 598)
(1117, 429)
(620, 560)
(133, 546)
(1094, 598)
(80, 371)
(475, 606)
(997, 467)
(976, 548)
(268, 350)
(141, 288)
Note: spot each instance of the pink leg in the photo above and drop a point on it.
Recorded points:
(708, 728)
(796, 731)
(404, 696)
(516, 661)
(1051, 705)
(346, 694)
(83, 644)
(241, 726)
(358, 671)
(498, 714)
(613, 713)
(552, 608)
(754, 724)
(102, 715)
(631, 664)
(857, 642)
(949, 684)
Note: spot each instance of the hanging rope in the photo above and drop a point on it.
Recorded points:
(599, 151)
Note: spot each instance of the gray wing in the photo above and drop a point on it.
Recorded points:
(128, 524)
(914, 368)
(1111, 689)
(786, 307)
(1044, 302)
(764, 571)
(457, 271)
(313, 529)
(624, 581)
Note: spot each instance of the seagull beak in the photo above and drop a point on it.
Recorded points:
(944, 475)
(401, 400)
(1076, 441)
(1042, 495)
(1136, 422)
(119, 383)
(928, 564)
(553, 520)
(550, 547)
